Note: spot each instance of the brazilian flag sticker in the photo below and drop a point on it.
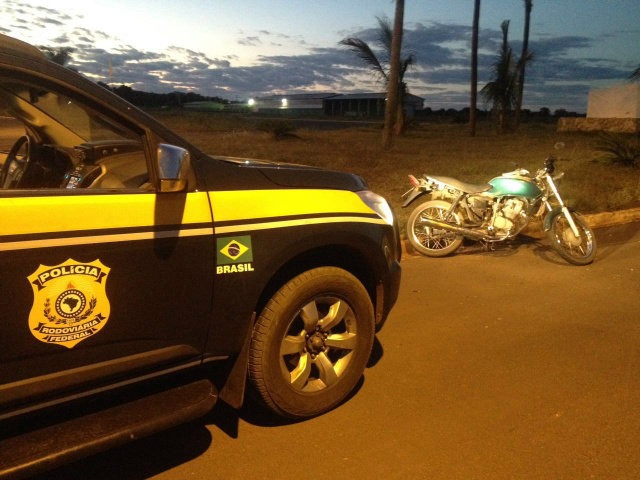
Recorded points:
(234, 250)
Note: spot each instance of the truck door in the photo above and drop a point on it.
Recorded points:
(100, 274)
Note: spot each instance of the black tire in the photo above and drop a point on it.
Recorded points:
(573, 250)
(342, 304)
(429, 241)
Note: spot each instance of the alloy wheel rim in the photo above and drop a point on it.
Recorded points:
(318, 344)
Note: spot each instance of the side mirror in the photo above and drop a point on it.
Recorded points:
(173, 167)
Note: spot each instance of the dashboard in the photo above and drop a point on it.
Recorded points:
(107, 165)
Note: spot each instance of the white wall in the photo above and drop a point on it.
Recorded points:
(620, 101)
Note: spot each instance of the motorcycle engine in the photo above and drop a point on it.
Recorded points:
(512, 213)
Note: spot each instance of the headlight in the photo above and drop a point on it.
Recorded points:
(378, 204)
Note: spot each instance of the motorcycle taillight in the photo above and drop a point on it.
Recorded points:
(414, 181)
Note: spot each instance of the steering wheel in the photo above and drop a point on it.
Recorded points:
(12, 180)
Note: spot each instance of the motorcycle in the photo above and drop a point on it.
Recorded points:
(494, 212)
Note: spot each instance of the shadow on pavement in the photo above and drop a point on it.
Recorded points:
(497, 249)
(612, 238)
(377, 352)
(227, 418)
(609, 240)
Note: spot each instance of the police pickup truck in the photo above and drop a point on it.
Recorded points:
(141, 280)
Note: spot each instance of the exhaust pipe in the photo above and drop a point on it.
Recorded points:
(467, 232)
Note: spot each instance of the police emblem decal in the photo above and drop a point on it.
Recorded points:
(70, 302)
(234, 254)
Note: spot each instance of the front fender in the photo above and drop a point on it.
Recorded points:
(555, 211)
(413, 196)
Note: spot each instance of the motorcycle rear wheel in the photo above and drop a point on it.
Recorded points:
(576, 251)
(430, 241)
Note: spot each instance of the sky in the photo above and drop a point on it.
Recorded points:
(247, 48)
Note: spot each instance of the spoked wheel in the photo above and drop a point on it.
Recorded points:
(575, 250)
(312, 342)
(431, 241)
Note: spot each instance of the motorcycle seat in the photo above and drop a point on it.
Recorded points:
(465, 187)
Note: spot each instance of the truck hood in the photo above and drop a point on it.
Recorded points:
(300, 176)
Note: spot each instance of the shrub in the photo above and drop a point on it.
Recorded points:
(278, 129)
(619, 148)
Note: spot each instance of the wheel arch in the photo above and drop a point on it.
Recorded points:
(338, 255)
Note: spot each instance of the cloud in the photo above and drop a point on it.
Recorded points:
(250, 41)
(61, 39)
(47, 10)
(561, 75)
(51, 21)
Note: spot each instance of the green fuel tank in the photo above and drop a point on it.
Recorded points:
(518, 186)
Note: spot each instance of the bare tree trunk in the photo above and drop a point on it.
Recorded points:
(393, 85)
(528, 5)
(474, 69)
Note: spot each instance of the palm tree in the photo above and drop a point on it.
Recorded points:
(474, 69)
(635, 75)
(501, 91)
(380, 67)
(394, 109)
(59, 55)
(528, 5)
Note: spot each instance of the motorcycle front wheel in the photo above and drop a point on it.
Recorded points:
(427, 240)
(575, 250)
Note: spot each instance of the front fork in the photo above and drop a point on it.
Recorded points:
(565, 210)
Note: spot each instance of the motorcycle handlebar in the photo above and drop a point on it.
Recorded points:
(549, 164)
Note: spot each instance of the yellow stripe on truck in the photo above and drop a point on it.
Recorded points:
(297, 223)
(28, 215)
(123, 237)
(252, 204)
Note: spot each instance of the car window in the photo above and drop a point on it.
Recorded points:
(50, 140)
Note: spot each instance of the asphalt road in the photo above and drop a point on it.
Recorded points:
(500, 364)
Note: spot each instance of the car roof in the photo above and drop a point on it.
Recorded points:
(18, 46)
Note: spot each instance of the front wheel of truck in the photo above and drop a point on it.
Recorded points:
(311, 343)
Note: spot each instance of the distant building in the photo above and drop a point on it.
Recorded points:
(297, 103)
(367, 104)
(351, 104)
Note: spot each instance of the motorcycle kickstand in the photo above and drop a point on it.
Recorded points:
(487, 246)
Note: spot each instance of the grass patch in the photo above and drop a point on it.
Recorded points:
(434, 148)
(623, 149)
(278, 129)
